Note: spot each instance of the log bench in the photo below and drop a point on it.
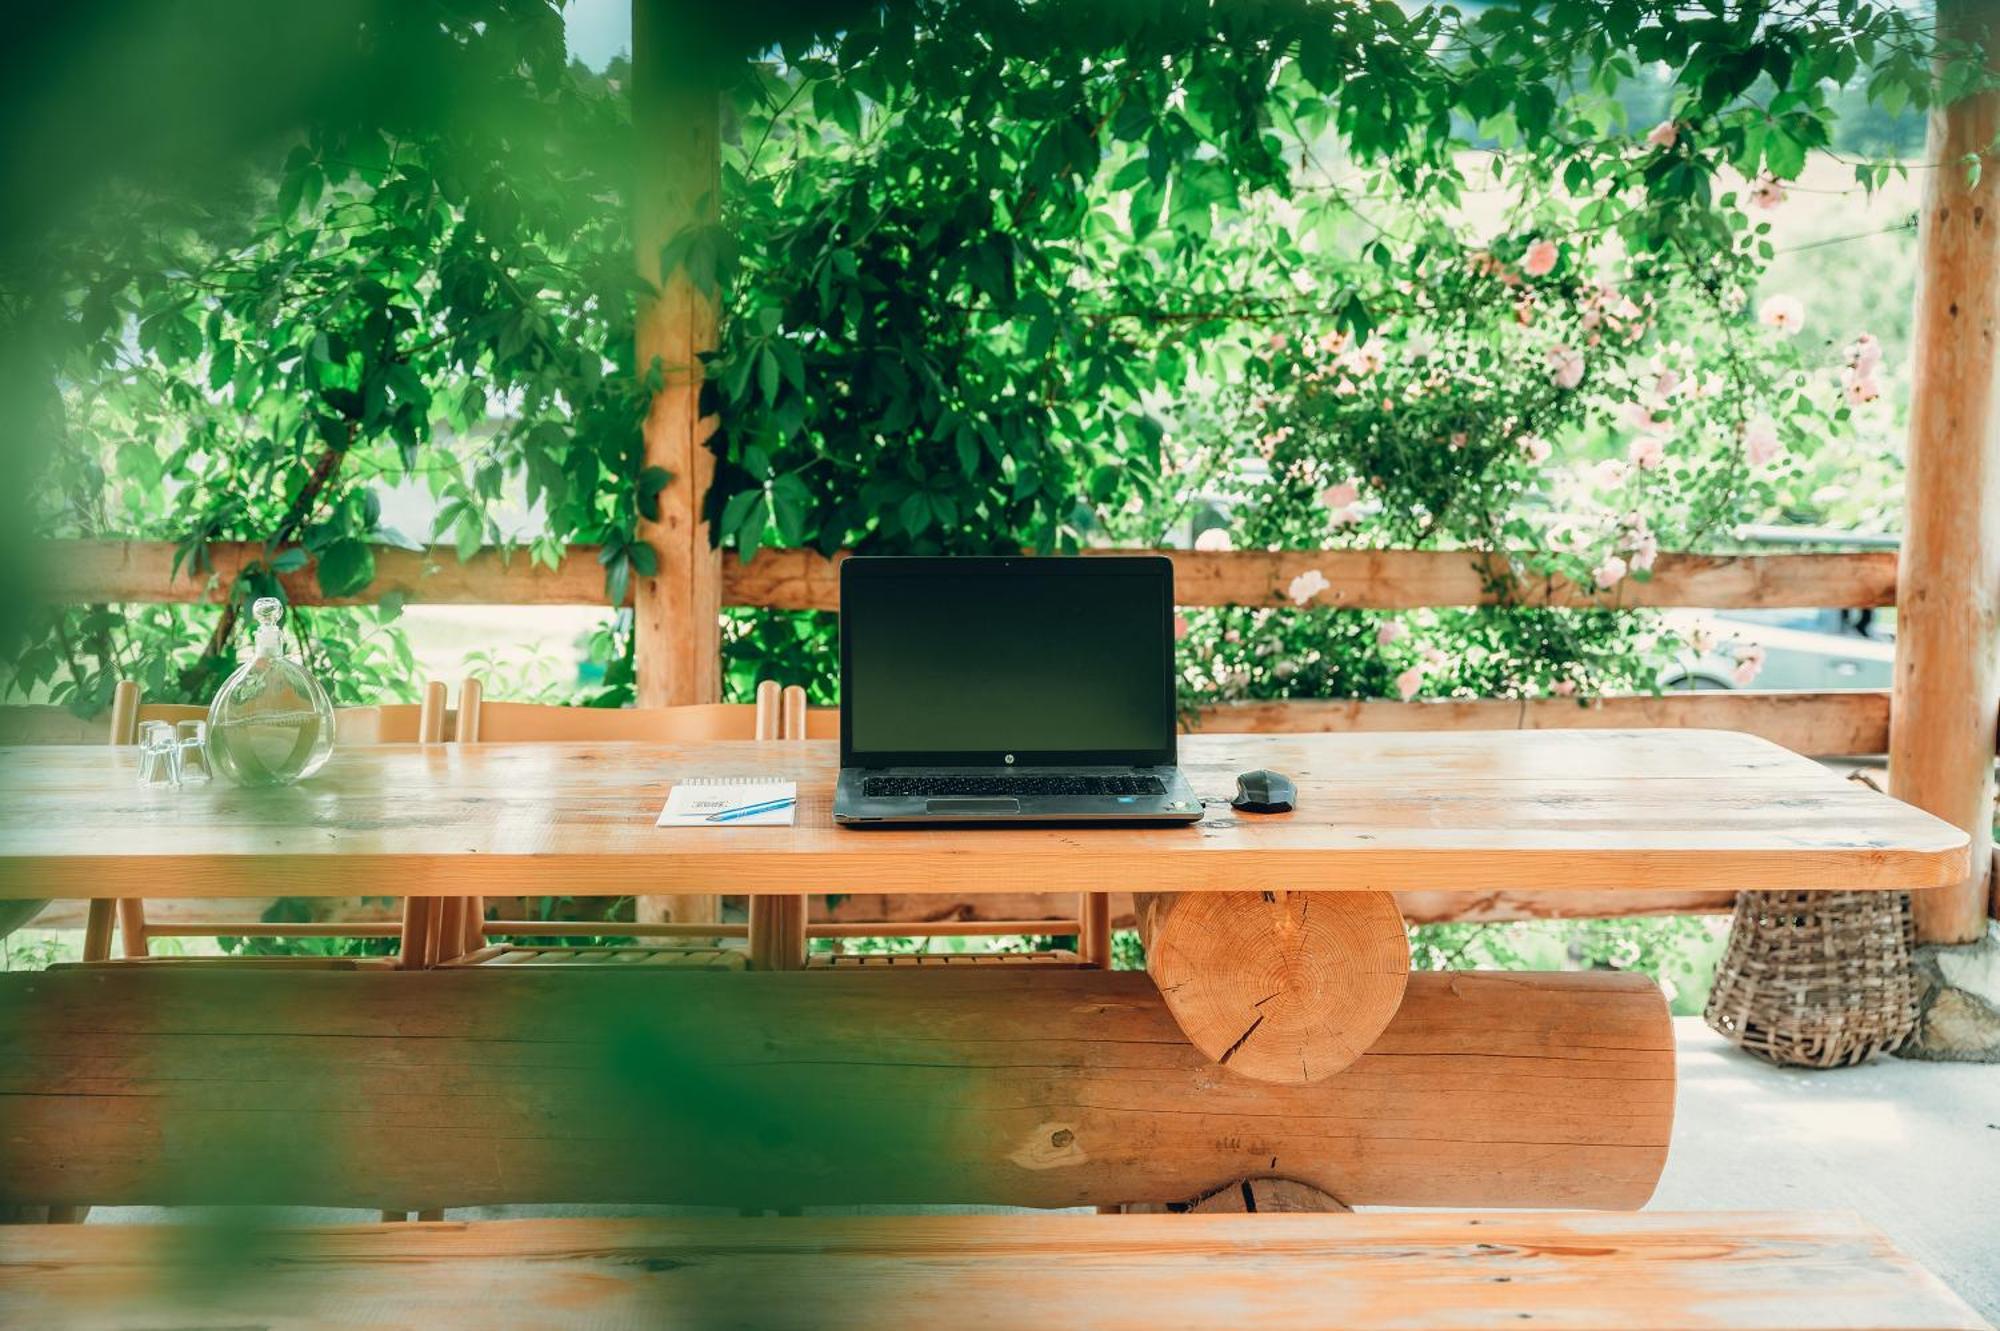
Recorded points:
(1269, 1272)
(982, 1084)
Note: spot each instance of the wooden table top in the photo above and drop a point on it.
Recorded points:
(1470, 811)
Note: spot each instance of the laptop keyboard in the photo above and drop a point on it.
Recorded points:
(901, 787)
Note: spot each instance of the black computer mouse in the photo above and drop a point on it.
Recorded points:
(1264, 792)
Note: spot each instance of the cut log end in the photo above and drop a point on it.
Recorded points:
(1278, 986)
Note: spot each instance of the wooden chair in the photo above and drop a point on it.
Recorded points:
(390, 723)
(1091, 927)
(460, 935)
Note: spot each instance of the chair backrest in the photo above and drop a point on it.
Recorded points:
(483, 722)
(44, 723)
(816, 722)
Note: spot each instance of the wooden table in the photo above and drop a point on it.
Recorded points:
(1471, 811)
(1275, 939)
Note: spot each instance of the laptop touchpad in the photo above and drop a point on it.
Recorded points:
(972, 806)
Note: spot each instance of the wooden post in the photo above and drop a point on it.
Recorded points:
(675, 111)
(1947, 690)
(676, 633)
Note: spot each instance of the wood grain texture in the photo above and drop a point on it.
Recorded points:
(1277, 986)
(1634, 811)
(1835, 723)
(143, 571)
(1412, 579)
(1948, 625)
(1284, 1272)
(677, 130)
(1032, 1085)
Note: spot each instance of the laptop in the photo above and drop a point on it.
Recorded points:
(1008, 690)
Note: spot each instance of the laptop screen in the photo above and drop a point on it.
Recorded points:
(963, 662)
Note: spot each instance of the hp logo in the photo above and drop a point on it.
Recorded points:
(1010, 759)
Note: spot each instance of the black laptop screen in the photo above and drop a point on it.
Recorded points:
(966, 661)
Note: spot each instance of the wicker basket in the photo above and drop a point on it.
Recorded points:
(1816, 979)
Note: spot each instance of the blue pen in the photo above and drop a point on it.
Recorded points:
(731, 815)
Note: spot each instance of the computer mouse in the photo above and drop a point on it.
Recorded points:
(1264, 792)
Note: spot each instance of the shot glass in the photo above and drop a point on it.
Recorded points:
(191, 738)
(159, 755)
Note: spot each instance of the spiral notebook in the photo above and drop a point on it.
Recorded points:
(730, 801)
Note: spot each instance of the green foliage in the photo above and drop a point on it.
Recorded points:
(992, 273)
(1678, 952)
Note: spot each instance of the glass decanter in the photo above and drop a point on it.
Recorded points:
(271, 724)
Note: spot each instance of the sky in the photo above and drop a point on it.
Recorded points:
(598, 29)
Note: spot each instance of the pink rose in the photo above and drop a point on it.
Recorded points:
(1864, 353)
(1664, 134)
(1861, 389)
(1749, 663)
(1339, 496)
(1307, 586)
(1785, 313)
(1565, 366)
(1610, 573)
(1540, 260)
(1535, 448)
(1760, 441)
(1180, 628)
(1645, 553)
(1647, 453)
(1409, 682)
(1389, 632)
(1215, 538)
(1767, 192)
(1563, 688)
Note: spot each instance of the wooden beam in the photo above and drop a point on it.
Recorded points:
(1043, 912)
(1024, 913)
(1948, 618)
(676, 114)
(142, 571)
(1411, 579)
(999, 1085)
(1831, 724)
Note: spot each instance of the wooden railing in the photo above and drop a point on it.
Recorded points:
(143, 571)
(1829, 723)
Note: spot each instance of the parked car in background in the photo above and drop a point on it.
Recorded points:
(1803, 649)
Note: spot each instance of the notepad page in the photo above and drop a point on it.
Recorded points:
(698, 801)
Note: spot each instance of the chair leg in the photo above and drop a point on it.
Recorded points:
(132, 926)
(414, 950)
(475, 926)
(448, 934)
(97, 930)
(1094, 946)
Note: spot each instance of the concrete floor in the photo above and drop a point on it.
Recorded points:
(1913, 1147)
